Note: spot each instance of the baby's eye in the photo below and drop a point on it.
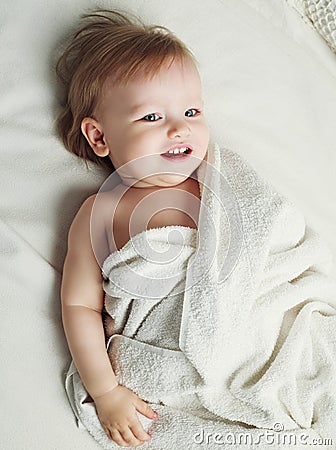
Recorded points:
(150, 115)
(192, 109)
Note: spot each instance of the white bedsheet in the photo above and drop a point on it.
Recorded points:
(269, 89)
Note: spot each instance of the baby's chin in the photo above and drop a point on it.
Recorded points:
(168, 180)
(158, 181)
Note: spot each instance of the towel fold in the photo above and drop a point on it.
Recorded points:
(230, 328)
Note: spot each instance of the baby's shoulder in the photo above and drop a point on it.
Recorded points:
(103, 204)
(93, 212)
(107, 207)
(101, 200)
(93, 220)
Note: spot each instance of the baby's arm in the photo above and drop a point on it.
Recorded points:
(82, 299)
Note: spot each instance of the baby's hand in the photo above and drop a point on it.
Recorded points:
(116, 412)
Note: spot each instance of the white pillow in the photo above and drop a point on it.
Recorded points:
(321, 14)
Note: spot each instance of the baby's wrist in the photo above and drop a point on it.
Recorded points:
(100, 395)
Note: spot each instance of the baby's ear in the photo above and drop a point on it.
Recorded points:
(93, 132)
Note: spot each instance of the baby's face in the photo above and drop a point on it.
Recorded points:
(149, 117)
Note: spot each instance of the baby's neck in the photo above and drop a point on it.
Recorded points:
(183, 185)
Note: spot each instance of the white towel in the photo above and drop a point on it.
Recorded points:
(239, 337)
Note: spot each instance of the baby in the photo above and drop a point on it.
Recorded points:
(133, 92)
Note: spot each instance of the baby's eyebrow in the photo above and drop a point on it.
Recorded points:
(137, 108)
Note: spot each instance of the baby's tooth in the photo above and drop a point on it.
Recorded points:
(178, 150)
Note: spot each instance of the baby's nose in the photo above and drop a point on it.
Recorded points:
(179, 129)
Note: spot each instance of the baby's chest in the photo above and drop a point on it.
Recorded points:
(137, 213)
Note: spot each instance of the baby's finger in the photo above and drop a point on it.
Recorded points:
(129, 437)
(138, 431)
(145, 409)
(107, 431)
(117, 438)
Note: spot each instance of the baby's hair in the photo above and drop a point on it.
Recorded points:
(109, 44)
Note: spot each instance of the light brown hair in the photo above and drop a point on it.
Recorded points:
(108, 44)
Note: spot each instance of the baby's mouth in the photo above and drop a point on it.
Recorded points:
(177, 153)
